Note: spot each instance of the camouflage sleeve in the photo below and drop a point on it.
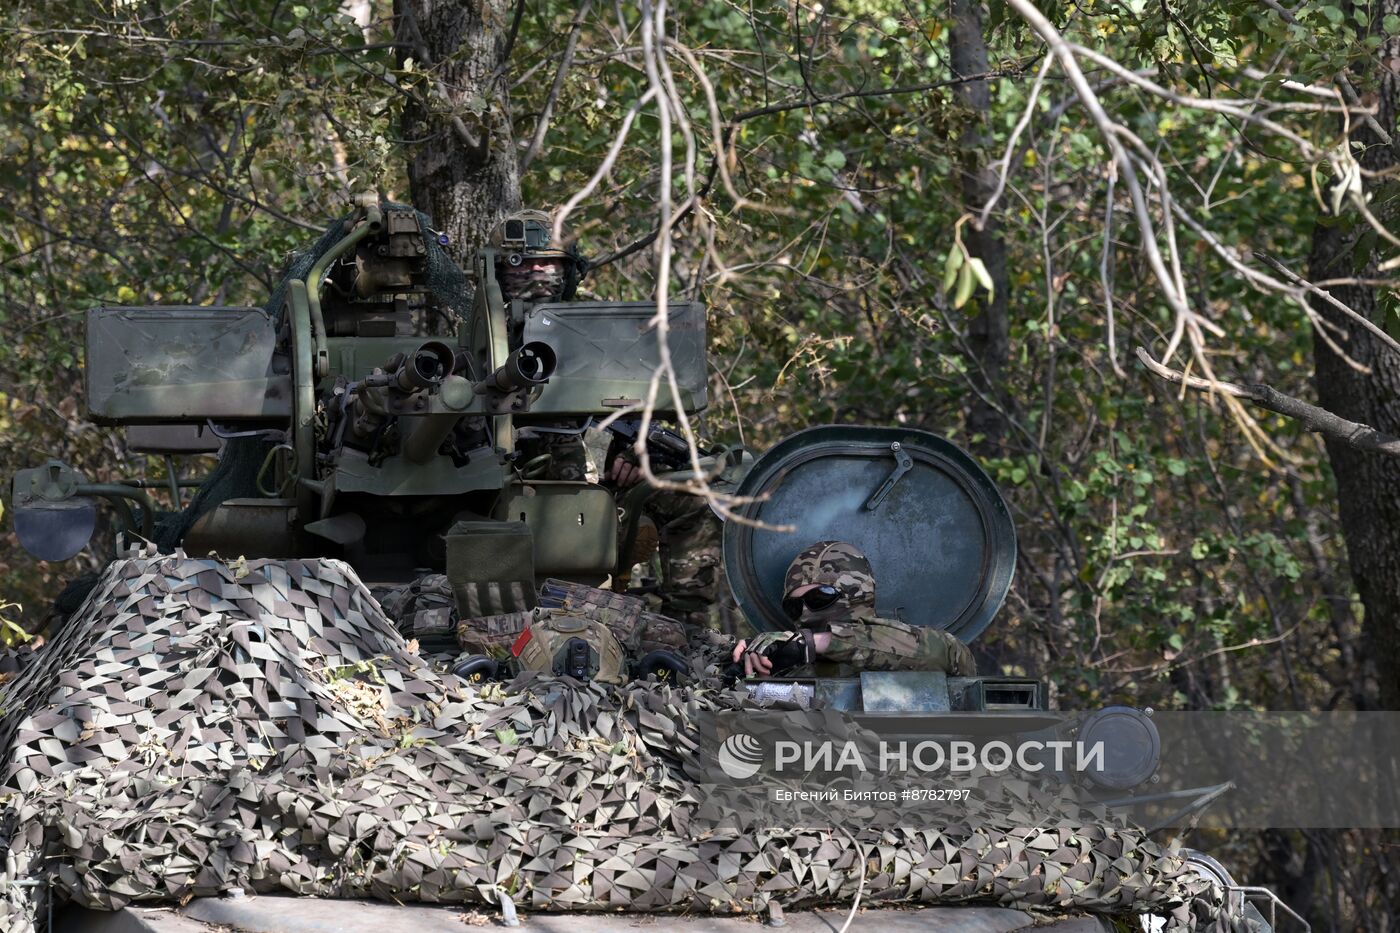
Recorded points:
(889, 645)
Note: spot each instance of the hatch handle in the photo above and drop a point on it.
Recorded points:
(902, 464)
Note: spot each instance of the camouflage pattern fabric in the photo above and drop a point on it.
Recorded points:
(693, 584)
(492, 636)
(861, 641)
(424, 610)
(546, 648)
(838, 564)
(636, 628)
(629, 617)
(891, 645)
(201, 725)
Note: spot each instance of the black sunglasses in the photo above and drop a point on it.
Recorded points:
(816, 599)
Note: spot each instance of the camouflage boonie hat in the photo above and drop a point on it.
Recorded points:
(838, 564)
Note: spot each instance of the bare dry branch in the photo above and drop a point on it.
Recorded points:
(1312, 418)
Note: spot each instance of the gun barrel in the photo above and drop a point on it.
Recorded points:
(526, 368)
(425, 368)
(424, 434)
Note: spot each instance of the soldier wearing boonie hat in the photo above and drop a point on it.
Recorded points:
(829, 595)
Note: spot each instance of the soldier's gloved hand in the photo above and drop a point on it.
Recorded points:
(774, 652)
(753, 662)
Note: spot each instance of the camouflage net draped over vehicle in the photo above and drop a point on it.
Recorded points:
(199, 725)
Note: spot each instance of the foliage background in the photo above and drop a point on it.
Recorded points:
(173, 152)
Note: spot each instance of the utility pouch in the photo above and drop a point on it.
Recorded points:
(491, 566)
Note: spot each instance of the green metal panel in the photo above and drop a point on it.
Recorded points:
(490, 565)
(184, 364)
(938, 533)
(357, 357)
(608, 352)
(574, 525)
(398, 476)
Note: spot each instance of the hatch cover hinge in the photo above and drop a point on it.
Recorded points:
(902, 464)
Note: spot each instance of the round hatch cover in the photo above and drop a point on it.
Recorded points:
(937, 531)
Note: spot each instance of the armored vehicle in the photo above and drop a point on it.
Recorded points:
(372, 412)
(369, 412)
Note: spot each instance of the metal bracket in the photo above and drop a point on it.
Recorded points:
(903, 464)
(1257, 895)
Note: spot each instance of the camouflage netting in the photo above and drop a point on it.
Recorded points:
(199, 725)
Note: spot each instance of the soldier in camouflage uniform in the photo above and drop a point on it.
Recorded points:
(830, 597)
(531, 267)
(693, 586)
(681, 528)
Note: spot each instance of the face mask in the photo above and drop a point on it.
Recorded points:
(531, 284)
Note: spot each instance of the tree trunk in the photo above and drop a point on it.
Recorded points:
(988, 330)
(462, 166)
(1368, 484)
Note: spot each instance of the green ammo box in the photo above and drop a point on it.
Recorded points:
(574, 526)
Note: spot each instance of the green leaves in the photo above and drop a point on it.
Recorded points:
(951, 266)
(965, 284)
(831, 302)
(963, 272)
(11, 633)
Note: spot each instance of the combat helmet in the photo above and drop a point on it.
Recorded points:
(572, 646)
(526, 254)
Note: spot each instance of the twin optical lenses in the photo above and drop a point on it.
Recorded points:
(815, 599)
